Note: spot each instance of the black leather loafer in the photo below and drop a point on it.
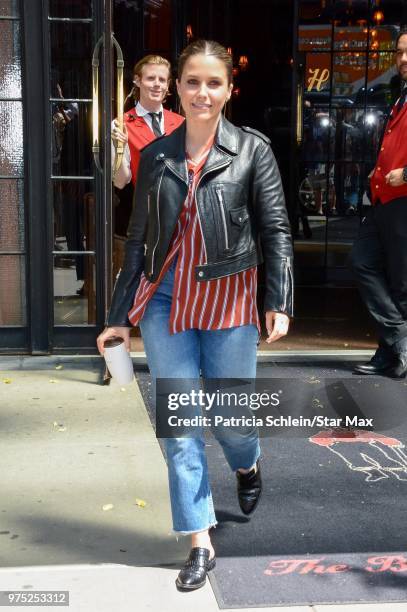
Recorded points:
(249, 489)
(193, 574)
(382, 360)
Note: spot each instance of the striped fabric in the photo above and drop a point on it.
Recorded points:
(216, 304)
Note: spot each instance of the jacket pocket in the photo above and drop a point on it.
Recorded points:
(224, 225)
(239, 229)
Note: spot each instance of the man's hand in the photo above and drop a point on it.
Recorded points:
(118, 135)
(395, 178)
(277, 324)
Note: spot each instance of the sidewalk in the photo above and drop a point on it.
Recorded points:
(71, 447)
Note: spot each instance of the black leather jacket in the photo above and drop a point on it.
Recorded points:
(241, 211)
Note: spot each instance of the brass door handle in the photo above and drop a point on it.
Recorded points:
(299, 131)
(95, 104)
(120, 103)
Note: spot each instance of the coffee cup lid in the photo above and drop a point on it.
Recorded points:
(112, 342)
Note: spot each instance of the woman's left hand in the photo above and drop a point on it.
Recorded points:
(277, 324)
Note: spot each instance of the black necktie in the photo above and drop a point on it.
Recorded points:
(155, 123)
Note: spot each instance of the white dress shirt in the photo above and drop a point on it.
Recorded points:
(123, 175)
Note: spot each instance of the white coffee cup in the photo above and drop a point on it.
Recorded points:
(118, 361)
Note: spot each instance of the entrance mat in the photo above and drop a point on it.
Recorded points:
(332, 519)
(242, 582)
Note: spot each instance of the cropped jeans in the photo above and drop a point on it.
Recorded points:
(224, 353)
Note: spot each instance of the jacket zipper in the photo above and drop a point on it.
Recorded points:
(158, 219)
(196, 197)
(148, 214)
(222, 210)
(285, 283)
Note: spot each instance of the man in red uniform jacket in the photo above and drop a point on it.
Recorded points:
(379, 255)
(147, 120)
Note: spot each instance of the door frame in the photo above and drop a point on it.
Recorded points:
(41, 337)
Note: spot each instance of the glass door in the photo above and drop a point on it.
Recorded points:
(13, 292)
(78, 36)
(346, 83)
(93, 47)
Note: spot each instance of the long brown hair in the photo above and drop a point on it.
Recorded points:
(206, 47)
(134, 95)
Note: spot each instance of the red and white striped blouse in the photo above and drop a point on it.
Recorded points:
(215, 304)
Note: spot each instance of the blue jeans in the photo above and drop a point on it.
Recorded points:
(224, 353)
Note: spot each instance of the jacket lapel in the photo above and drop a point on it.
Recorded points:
(224, 149)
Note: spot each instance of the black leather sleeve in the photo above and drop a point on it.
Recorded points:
(275, 234)
(128, 277)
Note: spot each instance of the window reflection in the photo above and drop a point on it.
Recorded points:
(67, 8)
(316, 191)
(318, 131)
(74, 299)
(351, 38)
(9, 8)
(71, 53)
(74, 216)
(315, 37)
(157, 25)
(349, 75)
(383, 81)
(71, 138)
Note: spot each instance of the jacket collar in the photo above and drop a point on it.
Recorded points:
(225, 147)
(395, 119)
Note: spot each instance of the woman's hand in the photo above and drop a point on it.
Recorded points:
(113, 332)
(118, 135)
(277, 324)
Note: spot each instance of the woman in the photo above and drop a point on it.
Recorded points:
(204, 196)
(147, 119)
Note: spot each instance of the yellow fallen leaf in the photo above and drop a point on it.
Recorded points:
(141, 503)
(59, 367)
(7, 381)
(52, 380)
(107, 507)
(60, 426)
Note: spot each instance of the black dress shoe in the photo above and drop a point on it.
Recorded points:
(193, 574)
(382, 360)
(249, 489)
(399, 369)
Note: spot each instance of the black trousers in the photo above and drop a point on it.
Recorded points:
(379, 262)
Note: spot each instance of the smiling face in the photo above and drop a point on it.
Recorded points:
(203, 87)
(153, 85)
(401, 57)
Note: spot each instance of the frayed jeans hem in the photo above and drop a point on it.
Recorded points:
(178, 533)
